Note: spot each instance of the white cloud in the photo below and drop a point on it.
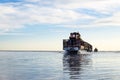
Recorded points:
(8, 18)
(108, 22)
(111, 21)
(17, 15)
(93, 4)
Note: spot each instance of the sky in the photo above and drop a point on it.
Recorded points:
(43, 24)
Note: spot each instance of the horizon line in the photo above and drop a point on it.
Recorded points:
(50, 51)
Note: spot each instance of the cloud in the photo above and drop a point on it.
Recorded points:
(18, 16)
(102, 22)
(9, 19)
(83, 13)
(93, 4)
(111, 21)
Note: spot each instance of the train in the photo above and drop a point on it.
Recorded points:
(75, 43)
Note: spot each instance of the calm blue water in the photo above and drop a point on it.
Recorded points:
(59, 66)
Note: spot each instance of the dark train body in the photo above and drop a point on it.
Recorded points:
(75, 43)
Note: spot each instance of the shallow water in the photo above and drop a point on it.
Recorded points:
(59, 66)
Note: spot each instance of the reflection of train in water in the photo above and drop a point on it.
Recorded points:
(76, 65)
(75, 43)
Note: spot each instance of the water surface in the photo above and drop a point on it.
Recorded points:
(59, 66)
